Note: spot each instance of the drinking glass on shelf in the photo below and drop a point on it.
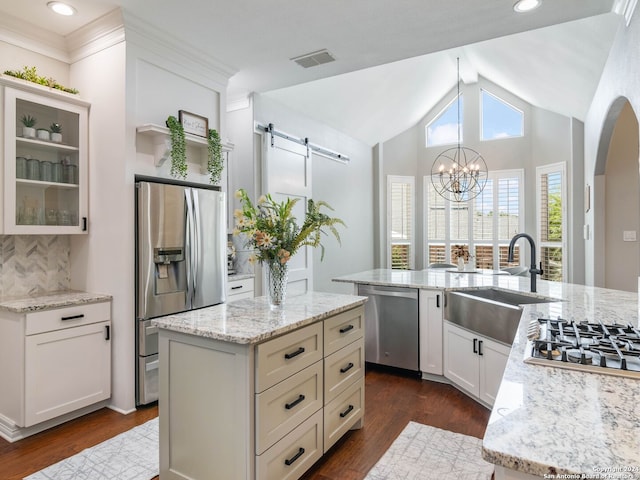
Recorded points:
(52, 216)
(64, 217)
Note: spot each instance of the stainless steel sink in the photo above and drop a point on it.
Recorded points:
(490, 312)
(504, 296)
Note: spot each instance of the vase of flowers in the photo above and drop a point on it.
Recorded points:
(273, 233)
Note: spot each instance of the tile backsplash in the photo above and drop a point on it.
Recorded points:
(32, 264)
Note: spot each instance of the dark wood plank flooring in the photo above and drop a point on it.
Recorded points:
(392, 400)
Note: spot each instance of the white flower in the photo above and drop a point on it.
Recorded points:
(262, 199)
(238, 194)
(252, 259)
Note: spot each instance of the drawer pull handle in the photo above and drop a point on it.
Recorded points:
(346, 412)
(346, 329)
(347, 368)
(107, 333)
(294, 458)
(236, 288)
(73, 317)
(289, 406)
(289, 356)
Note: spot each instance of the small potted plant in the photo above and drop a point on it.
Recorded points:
(43, 134)
(28, 130)
(56, 132)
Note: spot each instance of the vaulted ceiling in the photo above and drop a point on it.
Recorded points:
(394, 60)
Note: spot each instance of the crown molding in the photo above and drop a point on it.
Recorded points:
(98, 35)
(625, 8)
(164, 44)
(25, 35)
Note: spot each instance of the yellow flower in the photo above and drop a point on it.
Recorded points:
(262, 199)
(236, 232)
(237, 213)
(252, 259)
(238, 194)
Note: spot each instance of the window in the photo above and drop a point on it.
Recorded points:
(443, 129)
(482, 226)
(499, 119)
(551, 220)
(400, 221)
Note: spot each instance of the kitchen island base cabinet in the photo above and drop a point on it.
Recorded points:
(473, 362)
(259, 411)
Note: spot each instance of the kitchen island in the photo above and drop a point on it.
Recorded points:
(547, 421)
(247, 391)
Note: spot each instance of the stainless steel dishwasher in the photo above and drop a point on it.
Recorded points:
(391, 326)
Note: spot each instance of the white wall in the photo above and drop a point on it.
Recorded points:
(620, 81)
(347, 188)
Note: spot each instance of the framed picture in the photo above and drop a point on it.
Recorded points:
(194, 124)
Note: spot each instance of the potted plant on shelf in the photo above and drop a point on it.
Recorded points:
(43, 134)
(273, 233)
(28, 129)
(56, 132)
(178, 148)
(215, 164)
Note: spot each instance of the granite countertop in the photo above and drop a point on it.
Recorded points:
(548, 420)
(49, 300)
(252, 320)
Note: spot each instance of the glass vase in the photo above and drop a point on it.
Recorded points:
(277, 275)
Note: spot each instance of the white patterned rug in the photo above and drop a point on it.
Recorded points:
(422, 452)
(132, 455)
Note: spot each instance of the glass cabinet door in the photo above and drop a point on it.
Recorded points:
(45, 164)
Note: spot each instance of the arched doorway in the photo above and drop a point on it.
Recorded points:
(616, 199)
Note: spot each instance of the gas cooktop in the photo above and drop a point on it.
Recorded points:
(596, 347)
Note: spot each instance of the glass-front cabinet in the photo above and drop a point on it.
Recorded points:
(45, 161)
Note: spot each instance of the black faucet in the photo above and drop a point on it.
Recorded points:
(533, 270)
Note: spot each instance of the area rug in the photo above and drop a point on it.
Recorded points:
(422, 452)
(132, 455)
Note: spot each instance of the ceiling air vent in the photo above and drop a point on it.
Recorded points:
(314, 58)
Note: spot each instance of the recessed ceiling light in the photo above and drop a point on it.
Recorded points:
(61, 8)
(526, 5)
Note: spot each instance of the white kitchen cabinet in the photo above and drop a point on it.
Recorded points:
(473, 362)
(45, 188)
(263, 411)
(238, 289)
(52, 363)
(431, 306)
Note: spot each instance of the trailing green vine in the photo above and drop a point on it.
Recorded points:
(215, 165)
(30, 75)
(178, 148)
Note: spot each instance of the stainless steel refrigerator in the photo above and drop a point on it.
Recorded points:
(180, 263)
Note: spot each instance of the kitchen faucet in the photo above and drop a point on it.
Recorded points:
(533, 270)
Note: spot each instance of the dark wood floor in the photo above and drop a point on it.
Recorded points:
(392, 401)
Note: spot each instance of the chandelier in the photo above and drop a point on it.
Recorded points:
(459, 173)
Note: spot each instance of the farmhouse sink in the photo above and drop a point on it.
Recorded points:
(490, 312)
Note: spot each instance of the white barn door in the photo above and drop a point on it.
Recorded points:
(286, 172)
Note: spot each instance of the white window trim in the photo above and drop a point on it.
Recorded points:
(495, 242)
(551, 168)
(411, 181)
(482, 139)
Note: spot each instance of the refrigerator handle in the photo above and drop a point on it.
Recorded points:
(189, 245)
(196, 241)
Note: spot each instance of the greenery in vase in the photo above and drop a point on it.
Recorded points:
(55, 128)
(273, 232)
(31, 75)
(28, 121)
(215, 164)
(178, 148)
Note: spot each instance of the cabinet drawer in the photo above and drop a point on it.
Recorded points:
(285, 405)
(342, 369)
(342, 329)
(237, 287)
(343, 412)
(294, 454)
(67, 317)
(281, 357)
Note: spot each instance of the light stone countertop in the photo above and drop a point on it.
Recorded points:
(50, 300)
(550, 420)
(252, 320)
